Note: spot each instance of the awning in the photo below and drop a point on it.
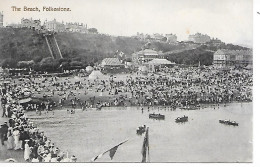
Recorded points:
(22, 101)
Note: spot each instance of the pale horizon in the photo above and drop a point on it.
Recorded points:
(229, 20)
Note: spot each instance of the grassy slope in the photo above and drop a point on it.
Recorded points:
(26, 44)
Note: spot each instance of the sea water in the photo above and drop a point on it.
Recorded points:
(87, 134)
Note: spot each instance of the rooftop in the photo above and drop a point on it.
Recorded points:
(159, 61)
(233, 52)
(111, 62)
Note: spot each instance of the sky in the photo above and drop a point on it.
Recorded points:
(229, 20)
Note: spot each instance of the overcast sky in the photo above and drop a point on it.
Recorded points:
(229, 20)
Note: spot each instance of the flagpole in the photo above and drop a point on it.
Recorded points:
(148, 144)
(145, 147)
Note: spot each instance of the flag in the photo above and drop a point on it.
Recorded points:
(111, 151)
(145, 148)
(95, 158)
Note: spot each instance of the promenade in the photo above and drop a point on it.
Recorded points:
(6, 154)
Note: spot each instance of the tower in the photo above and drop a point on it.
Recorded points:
(1, 19)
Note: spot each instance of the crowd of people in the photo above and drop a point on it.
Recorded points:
(174, 87)
(19, 133)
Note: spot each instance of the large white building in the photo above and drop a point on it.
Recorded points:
(199, 38)
(226, 58)
(54, 26)
(146, 55)
(171, 38)
(30, 23)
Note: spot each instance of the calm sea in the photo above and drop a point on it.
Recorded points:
(87, 134)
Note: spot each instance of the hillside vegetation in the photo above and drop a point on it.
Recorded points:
(85, 49)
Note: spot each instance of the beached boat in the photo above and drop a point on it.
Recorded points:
(156, 116)
(228, 122)
(190, 107)
(181, 119)
(99, 107)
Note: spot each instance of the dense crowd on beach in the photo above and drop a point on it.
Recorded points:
(170, 87)
(19, 133)
(173, 87)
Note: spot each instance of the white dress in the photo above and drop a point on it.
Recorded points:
(26, 152)
(10, 141)
(35, 160)
(17, 143)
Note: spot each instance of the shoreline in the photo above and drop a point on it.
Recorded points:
(118, 110)
(18, 155)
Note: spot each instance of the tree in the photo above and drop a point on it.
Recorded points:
(25, 64)
(93, 30)
(75, 63)
(9, 63)
(164, 39)
(49, 64)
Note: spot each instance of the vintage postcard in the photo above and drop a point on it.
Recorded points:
(126, 81)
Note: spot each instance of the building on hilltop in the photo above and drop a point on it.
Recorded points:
(146, 55)
(199, 38)
(1, 19)
(215, 42)
(54, 26)
(31, 24)
(157, 37)
(227, 58)
(68, 27)
(171, 38)
(76, 27)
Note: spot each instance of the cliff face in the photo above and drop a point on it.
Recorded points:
(21, 44)
(24, 45)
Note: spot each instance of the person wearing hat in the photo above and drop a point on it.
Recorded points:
(34, 152)
(11, 122)
(47, 158)
(10, 140)
(4, 101)
(17, 142)
(5, 127)
(73, 158)
(2, 134)
(26, 151)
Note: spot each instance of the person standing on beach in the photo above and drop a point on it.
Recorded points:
(26, 151)
(3, 103)
(2, 135)
(5, 130)
(10, 140)
(16, 135)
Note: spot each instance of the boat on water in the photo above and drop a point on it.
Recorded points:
(156, 116)
(99, 107)
(181, 119)
(228, 122)
(140, 130)
(190, 107)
